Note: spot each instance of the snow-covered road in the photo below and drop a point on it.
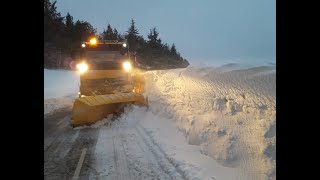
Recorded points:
(202, 123)
(128, 147)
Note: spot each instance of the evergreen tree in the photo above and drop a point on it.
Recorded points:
(173, 50)
(153, 41)
(55, 39)
(132, 36)
(83, 30)
(53, 22)
(68, 35)
(103, 35)
(69, 22)
(109, 34)
(132, 29)
(115, 34)
(166, 49)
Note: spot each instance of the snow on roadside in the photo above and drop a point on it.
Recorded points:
(53, 104)
(59, 83)
(165, 138)
(228, 111)
(60, 89)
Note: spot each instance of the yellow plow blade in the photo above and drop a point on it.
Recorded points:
(90, 109)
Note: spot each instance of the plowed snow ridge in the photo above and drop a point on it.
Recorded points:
(230, 113)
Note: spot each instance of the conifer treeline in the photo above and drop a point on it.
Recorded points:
(65, 34)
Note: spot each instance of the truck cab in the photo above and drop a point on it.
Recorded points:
(105, 68)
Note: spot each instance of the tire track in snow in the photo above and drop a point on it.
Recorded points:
(149, 164)
(54, 155)
(120, 159)
(52, 133)
(101, 161)
(121, 153)
(166, 163)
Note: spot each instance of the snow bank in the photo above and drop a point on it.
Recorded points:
(59, 83)
(60, 89)
(229, 111)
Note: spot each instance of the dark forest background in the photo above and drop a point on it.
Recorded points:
(63, 37)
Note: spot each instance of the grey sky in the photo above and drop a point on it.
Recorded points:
(203, 30)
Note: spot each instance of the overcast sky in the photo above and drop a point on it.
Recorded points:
(209, 31)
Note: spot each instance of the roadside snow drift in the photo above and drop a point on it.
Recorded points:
(229, 111)
(60, 89)
(58, 83)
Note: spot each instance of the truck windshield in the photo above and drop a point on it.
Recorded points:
(105, 60)
(104, 65)
(105, 56)
(99, 56)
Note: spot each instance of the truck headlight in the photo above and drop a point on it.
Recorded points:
(82, 67)
(127, 66)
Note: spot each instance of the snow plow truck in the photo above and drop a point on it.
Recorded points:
(108, 81)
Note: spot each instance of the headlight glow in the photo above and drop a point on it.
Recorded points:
(93, 41)
(82, 67)
(124, 45)
(83, 45)
(127, 66)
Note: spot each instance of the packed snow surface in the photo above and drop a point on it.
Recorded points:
(210, 122)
